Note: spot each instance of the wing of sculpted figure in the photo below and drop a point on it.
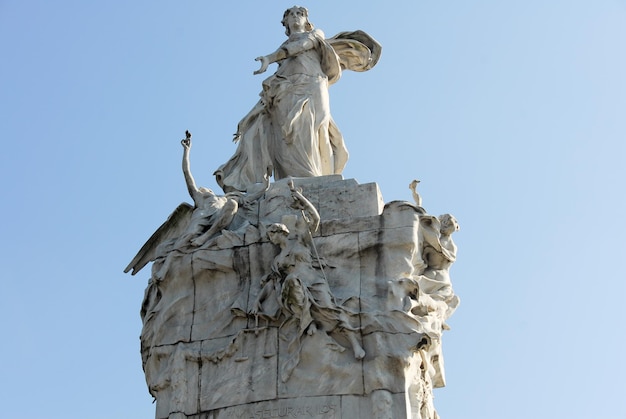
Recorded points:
(172, 228)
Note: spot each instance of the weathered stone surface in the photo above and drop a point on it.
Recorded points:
(307, 297)
(174, 373)
(219, 281)
(327, 407)
(169, 321)
(247, 375)
(204, 336)
(334, 199)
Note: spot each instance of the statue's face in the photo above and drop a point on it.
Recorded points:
(272, 236)
(277, 237)
(296, 19)
(449, 225)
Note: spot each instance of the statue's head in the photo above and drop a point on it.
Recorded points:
(308, 26)
(449, 224)
(277, 231)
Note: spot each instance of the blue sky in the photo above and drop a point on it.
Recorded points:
(511, 113)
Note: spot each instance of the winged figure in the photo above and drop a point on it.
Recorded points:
(193, 226)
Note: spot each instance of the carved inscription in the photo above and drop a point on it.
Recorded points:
(292, 411)
(299, 410)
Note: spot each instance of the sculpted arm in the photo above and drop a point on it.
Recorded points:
(288, 49)
(266, 60)
(300, 202)
(189, 180)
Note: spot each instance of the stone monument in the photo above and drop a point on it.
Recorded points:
(305, 297)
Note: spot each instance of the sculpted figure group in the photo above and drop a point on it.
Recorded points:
(290, 133)
(435, 301)
(297, 286)
(436, 255)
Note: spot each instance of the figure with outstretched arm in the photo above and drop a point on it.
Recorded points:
(290, 131)
(211, 213)
(192, 226)
(295, 20)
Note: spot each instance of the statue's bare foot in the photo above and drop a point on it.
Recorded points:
(359, 353)
(197, 242)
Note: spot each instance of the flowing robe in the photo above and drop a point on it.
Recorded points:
(290, 131)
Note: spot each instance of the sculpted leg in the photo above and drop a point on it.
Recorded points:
(359, 352)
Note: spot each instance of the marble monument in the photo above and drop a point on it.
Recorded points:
(304, 295)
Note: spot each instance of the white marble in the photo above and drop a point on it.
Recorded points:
(304, 307)
(305, 297)
(290, 131)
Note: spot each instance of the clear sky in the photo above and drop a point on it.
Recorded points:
(512, 113)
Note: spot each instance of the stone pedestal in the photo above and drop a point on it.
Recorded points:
(208, 354)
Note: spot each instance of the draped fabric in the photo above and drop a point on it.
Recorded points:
(290, 131)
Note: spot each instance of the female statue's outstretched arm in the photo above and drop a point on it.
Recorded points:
(266, 60)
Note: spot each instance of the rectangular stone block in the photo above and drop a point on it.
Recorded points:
(218, 286)
(326, 365)
(333, 197)
(346, 199)
(180, 372)
(341, 257)
(328, 407)
(251, 356)
(379, 405)
(169, 320)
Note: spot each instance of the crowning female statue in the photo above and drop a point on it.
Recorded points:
(290, 131)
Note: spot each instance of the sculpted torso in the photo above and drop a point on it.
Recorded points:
(293, 255)
(302, 57)
(209, 204)
(443, 259)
